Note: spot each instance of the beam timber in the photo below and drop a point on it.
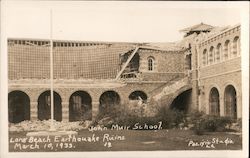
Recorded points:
(127, 62)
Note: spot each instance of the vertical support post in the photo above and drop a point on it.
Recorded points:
(95, 109)
(222, 106)
(51, 75)
(65, 111)
(33, 110)
(239, 106)
(194, 77)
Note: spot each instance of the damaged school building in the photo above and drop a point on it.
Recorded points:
(200, 72)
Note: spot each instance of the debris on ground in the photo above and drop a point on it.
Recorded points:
(45, 125)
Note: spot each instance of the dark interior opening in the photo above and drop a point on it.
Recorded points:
(109, 99)
(138, 95)
(133, 66)
(80, 106)
(182, 101)
(189, 62)
(231, 101)
(214, 102)
(44, 108)
(18, 106)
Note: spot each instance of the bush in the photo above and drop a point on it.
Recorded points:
(194, 116)
(111, 112)
(121, 116)
(171, 118)
(210, 123)
(236, 125)
(239, 123)
(199, 128)
(198, 121)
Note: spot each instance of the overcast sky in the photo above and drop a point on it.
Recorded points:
(114, 21)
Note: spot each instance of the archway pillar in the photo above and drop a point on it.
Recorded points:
(33, 110)
(222, 106)
(123, 101)
(95, 109)
(239, 107)
(65, 111)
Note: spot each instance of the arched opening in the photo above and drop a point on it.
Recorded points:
(44, 108)
(138, 95)
(236, 46)
(18, 106)
(214, 102)
(150, 64)
(211, 55)
(226, 50)
(182, 102)
(109, 99)
(218, 53)
(230, 101)
(80, 106)
(204, 57)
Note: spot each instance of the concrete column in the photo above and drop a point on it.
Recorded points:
(194, 76)
(222, 106)
(123, 101)
(195, 96)
(239, 106)
(33, 110)
(95, 109)
(65, 111)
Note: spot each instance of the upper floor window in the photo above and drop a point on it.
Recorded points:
(211, 55)
(204, 57)
(218, 53)
(226, 49)
(236, 46)
(151, 64)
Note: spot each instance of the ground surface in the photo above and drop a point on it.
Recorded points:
(126, 140)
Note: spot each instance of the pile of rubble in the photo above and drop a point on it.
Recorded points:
(237, 126)
(45, 125)
(141, 109)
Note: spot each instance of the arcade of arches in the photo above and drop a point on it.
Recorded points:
(80, 104)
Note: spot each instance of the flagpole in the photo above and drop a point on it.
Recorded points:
(51, 74)
(52, 130)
